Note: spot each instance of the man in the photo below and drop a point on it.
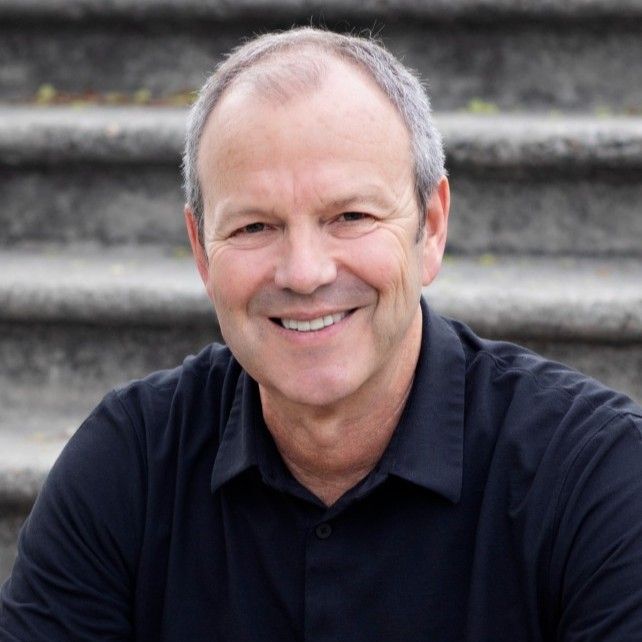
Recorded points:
(352, 466)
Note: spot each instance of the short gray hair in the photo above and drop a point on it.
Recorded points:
(403, 88)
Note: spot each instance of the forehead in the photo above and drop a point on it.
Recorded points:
(341, 117)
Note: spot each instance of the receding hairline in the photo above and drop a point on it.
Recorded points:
(290, 73)
(286, 73)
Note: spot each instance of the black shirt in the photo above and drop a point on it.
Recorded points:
(508, 506)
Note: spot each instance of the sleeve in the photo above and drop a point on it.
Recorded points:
(74, 576)
(597, 560)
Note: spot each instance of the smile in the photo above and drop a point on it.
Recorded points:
(310, 325)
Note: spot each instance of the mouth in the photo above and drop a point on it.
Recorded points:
(311, 325)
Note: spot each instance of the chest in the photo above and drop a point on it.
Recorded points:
(255, 564)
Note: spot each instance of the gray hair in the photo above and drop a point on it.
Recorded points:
(399, 84)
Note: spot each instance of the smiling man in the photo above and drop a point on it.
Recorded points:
(312, 250)
(352, 466)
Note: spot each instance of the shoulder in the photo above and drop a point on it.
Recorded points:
(137, 429)
(198, 388)
(506, 374)
(534, 423)
(553, 458)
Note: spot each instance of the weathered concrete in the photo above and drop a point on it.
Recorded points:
(436, 10)
(84, 284)
(521, 184)
(515, 62)
(36, 136)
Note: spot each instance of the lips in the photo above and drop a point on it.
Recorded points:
(310, 325)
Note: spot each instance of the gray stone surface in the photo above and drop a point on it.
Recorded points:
(546, 214)
(37, 136)
(437, 10)
(571, 144)
(516, 64)
(86, 284)
(104, 203)
(521, 184)
(544, 299)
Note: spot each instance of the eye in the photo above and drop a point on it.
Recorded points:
(349, 217)
(251, 228)
(350, 225)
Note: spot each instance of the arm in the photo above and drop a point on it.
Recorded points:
(75, 573)
(596, 564)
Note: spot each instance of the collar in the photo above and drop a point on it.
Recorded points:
(426, 448)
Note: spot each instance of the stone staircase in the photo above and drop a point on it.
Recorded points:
(540, 102)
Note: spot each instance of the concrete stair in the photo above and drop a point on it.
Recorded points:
(541, 107)
(529, 54)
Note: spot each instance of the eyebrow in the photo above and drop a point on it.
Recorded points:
(243, 212)
(364, 198)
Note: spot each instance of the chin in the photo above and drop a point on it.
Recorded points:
(320, 392)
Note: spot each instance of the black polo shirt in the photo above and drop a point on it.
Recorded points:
(508, 506)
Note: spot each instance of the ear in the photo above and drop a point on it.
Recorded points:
(436, 230)
(198, 250)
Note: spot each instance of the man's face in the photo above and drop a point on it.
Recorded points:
(310, 236)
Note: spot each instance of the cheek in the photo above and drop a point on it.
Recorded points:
(384, 261)
(235, 276)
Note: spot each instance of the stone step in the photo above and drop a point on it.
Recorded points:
(521, 183)
(574, 55)
(77, 320)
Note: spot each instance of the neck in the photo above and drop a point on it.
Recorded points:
(329, 450)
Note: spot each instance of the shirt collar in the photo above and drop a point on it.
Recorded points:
(237, 449)
(427, 447)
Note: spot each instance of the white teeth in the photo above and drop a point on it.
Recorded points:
(313, 324)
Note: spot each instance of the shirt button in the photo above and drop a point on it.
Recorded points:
(323, 531)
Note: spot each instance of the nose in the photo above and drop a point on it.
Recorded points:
(305, 263)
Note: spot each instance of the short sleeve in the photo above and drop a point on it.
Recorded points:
(77, 552)
(597, 559)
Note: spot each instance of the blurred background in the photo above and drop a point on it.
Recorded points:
(540, 104)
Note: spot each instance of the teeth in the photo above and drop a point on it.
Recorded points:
(313, 324)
